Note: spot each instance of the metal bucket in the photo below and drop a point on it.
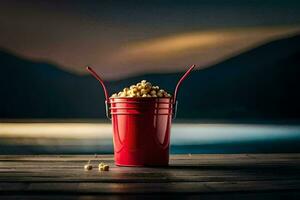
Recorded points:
(141, 130)
(141, 127)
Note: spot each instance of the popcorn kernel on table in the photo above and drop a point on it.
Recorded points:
(103, 167)
(142, 89)
(88, 167)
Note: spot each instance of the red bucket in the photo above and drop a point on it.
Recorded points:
(141, 127)
(141, 130)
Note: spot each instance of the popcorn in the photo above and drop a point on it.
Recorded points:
(153, 92)
(143, 89)
(115, 95)
(88, 166)
(103, 167)
(159, 94)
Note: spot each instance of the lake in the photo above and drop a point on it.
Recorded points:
(96, 138)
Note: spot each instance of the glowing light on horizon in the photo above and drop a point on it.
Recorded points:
(204, 48)
(99, 133)
(124, 39)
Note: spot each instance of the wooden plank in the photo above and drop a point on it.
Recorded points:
(149, 175)
(203, 196)
(151, 188)
(199, 157)
(64, 174)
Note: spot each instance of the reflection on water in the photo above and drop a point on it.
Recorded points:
(60, 138)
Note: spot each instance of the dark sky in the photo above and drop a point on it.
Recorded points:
(127, 37)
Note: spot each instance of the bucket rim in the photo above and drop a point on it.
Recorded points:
(140, 97)
(168, 100)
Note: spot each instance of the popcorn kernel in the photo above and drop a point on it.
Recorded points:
(142, 89)
(88, 167)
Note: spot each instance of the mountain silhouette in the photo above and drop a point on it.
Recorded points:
(40, 90)
(260, 84)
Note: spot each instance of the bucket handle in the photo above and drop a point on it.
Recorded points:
(88, 68)
(175, 110)
(181, 80)
(177, 87)
(108, 115)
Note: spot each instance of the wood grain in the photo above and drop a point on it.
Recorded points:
(187, 174)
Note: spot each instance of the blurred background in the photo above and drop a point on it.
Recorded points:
(243, 96)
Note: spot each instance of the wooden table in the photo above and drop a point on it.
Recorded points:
(228, 176)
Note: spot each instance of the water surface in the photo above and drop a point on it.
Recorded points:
(87, 138)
